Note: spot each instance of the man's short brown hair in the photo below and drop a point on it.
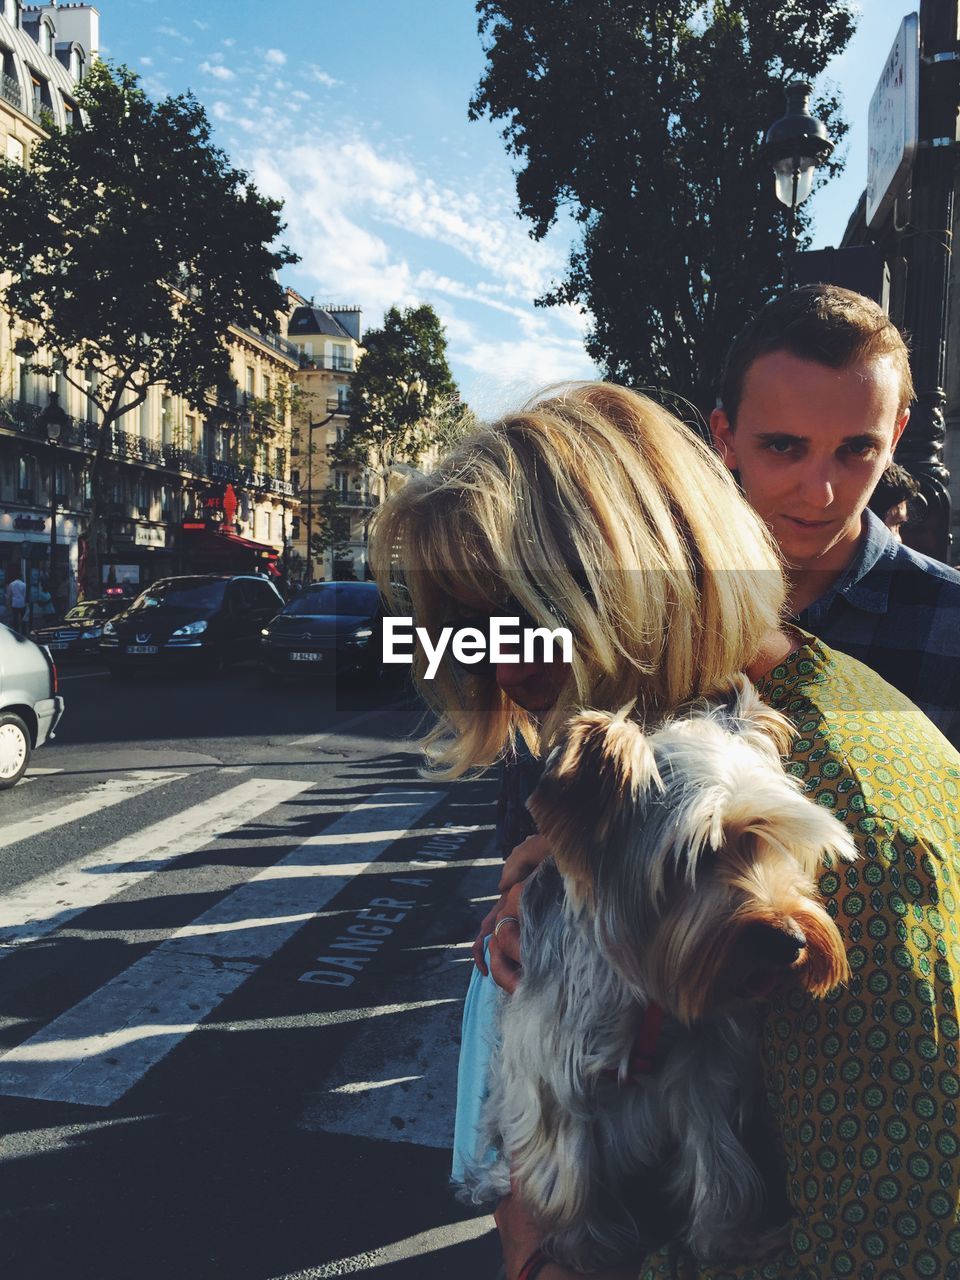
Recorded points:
(822, 323)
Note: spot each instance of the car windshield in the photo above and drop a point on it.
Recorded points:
(182, 593)
(80, 612)
(356, 598)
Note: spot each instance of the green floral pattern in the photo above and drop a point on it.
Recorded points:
(865, 1085)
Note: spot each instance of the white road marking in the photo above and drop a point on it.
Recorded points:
(102, 796)
(48, 902)
(423, 1242)
(419, 1053)
(97, 1051)
(83, 675)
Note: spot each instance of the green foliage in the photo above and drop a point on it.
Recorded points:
(329, 524)
(643, 118)
(401, 377)
(131, 246)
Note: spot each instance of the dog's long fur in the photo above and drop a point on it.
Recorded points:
(683, 875)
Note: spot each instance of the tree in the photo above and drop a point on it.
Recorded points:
(642, 117)
(131, 246)
(401, 377)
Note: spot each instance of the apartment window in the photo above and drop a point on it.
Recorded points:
(166, 419)
(342, 483)
(69, 112)
(47, 38)
(142, 497)
(61, 482)
(343, 396)
(267, 387)
(266, 526)
(295, 479)
(167, 500)
(41, 96)
(23, 379)
(190, 432)
(27, 479)
(15, 153)
(340, 358)
(90, 383)
(280, 463)
(250, 385)
(18, 14)
(76, 64)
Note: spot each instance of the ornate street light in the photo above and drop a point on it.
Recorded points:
(794, 145)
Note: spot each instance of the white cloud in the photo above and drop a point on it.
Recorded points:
(174, 34)
(321, 77)
(146, 62)
(217, 71)
(275, 57)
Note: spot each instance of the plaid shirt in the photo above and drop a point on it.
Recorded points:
(898, 612)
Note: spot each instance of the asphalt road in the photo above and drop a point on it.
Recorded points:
(234, 944)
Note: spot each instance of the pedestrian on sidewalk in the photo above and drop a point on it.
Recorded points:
(16, 597)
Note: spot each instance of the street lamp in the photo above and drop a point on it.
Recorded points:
(54, 420)
(794, 145)
(333, 408)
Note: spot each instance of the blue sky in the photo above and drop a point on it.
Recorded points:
(356, 115)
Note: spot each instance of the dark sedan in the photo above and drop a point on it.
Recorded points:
(330, 626)
(78, 635)
(203, 621)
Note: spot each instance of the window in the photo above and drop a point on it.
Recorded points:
(343, 397)
(76, 63)
(47, 38)
(167, 503)
(90, 382)
(249, 380)
(166, 419)
(23, 380)
(142, 498)
(27, 479)
(266, 526)
(340, 358)
(62, 483)
(69, 112)
(190, 432)
(15, 152)
(267, 387)
(145, 418)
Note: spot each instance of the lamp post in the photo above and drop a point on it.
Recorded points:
(794, 145)
(333, 407)
(54, 420)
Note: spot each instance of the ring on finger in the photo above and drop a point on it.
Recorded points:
(505, 920)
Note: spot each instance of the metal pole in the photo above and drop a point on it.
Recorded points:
(309, 503)
(53, 517)
(791, 246)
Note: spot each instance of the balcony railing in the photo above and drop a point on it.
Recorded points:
(366, 501)
(283, 345)
(338, 364)
(10, 91)
(125, 446)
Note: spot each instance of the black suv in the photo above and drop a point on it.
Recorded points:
(203, 621)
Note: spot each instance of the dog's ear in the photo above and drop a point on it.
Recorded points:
(600, 767)
(760, 724)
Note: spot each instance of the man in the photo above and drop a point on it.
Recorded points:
(16, 596)
(814, 397)
(895, 498)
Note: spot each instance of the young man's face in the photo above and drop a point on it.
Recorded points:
(810, 444)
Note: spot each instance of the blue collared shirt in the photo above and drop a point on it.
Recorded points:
(898, 612)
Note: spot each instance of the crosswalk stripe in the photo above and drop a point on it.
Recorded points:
(48, 902)
(416, 1099)
(98, 1050)
(100, 797)
(424, 1242)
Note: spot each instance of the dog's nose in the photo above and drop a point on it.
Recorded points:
(778, 947)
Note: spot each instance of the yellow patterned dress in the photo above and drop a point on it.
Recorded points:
(864, 1085)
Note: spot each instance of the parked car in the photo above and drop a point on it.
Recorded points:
(30, 703)
(78, 635)
(329, 626)
(203, 621)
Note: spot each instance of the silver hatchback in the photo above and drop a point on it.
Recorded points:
(30, 703)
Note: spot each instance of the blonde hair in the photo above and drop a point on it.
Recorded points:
(593, 509)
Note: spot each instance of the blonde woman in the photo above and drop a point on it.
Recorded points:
(597, 511)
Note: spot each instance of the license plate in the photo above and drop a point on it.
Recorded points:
(56, 644)
(142, 648)
(306, 657)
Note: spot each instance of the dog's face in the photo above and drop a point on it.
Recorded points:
(694, 854)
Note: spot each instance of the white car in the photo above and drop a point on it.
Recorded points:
(30, 703)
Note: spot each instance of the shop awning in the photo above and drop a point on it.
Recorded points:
(224, 550)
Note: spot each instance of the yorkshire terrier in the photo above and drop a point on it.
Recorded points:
(681, 892)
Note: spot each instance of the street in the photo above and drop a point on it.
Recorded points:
(234, 944)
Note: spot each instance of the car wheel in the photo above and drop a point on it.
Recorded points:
(15, 749)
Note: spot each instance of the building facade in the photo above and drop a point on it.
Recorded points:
(328, 342)
(189, 490)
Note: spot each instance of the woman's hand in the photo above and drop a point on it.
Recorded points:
(505, 945)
